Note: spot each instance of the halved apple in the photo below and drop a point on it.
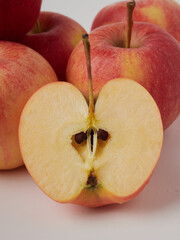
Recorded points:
(91, 158)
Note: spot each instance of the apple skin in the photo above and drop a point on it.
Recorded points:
(57, 38)
(22, 71)
(17, 17)
(153, 61)
(164, 13)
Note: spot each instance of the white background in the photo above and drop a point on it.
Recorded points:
(27, 213)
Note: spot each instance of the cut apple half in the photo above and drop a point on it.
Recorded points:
(86, 159)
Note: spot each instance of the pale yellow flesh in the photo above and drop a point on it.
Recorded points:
(122, 164)
(49, 120)
(128, 112)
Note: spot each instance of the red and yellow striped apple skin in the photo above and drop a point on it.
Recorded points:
(152, 61)
(22, 72)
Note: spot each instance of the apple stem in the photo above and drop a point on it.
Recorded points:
(86, 43)
(130, 8)
(37, 26)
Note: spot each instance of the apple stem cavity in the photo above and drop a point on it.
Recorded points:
(130, 8)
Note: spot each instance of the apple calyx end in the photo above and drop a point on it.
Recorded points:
(92, 180)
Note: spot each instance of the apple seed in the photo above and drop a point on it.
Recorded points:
(80, 137)
(102, 134)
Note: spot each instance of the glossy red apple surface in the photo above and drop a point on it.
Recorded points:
(55, 38)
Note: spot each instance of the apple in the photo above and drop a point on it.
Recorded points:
(91, 155)
(67, 170)
(17, 17)
(54, 38)
(164, 13)
(152, 60)
(22, 71)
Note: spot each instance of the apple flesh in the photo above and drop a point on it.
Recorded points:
(54, 39)
(164, 13)
(96, 171)
(17, 17)
(22, 71)
(152, 61)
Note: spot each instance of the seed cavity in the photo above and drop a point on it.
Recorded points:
(92, 141)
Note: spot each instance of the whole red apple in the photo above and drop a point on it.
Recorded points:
(165, 13)
(22, 71)
(152, 61)
(54, 38)
(17, 17)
